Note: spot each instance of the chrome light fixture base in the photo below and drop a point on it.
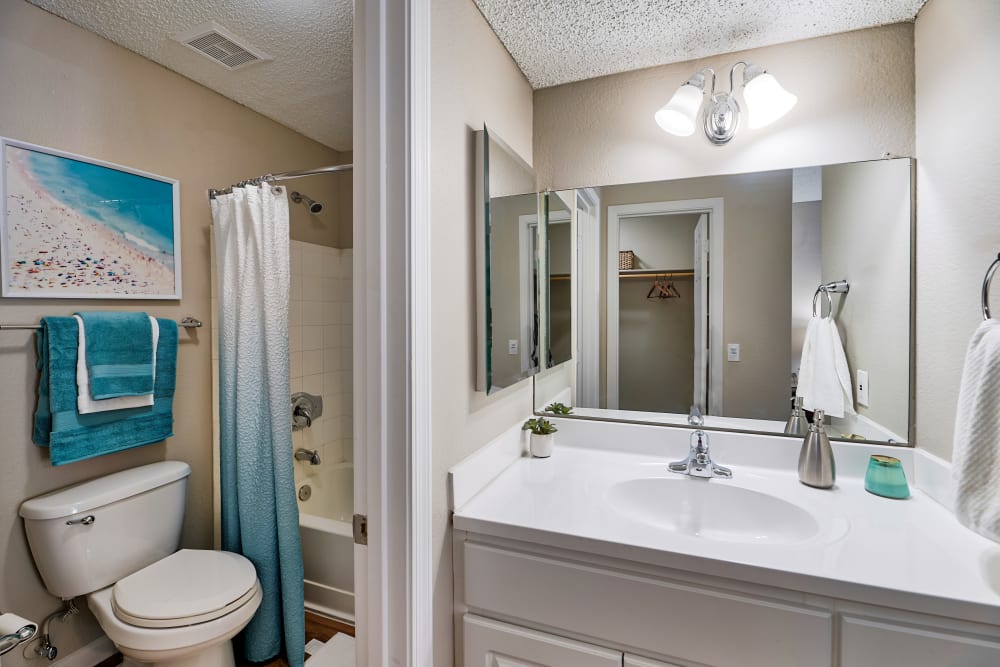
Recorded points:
(722, 118)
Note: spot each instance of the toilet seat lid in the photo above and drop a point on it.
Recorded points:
(189, 586)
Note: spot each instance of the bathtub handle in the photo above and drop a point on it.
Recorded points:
(305, 408)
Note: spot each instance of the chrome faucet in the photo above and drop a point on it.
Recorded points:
(310, 455)
(699, 463)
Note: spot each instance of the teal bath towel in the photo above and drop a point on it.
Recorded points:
(71, 436)
(119, 353)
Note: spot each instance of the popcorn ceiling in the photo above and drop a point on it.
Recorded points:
(560, 41)
(307, 86)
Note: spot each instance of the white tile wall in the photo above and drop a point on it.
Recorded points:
(320, 342)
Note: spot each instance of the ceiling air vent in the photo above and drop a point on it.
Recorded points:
(213, 41)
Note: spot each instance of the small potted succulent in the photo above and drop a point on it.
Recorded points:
(558, 409)
(543, 436)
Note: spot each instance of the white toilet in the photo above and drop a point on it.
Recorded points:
(115, 540)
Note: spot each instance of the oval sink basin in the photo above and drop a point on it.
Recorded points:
(713, 510)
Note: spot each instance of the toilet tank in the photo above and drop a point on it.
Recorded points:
(88, 536)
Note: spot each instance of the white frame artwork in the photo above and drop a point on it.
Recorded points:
(116, 289)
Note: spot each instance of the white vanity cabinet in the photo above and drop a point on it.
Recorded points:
(531, 605)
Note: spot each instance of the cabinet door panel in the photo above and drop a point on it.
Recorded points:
(865, 642)
(489, 643)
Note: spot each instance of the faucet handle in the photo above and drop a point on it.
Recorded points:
(694, 416)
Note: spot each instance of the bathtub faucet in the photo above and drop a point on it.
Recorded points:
(310, 455)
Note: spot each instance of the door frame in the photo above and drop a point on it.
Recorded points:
(392, 370)
(588, 290)
(716, 220)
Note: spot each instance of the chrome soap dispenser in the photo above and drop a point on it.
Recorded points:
(816, 465)
(797, 423)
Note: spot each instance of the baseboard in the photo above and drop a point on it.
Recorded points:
(89, 655)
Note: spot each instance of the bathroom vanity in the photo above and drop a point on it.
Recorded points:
(599, 556)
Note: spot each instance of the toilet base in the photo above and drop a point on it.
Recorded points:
(216, 655)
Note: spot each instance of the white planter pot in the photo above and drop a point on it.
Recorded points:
(541, 445)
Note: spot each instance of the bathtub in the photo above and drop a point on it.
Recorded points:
(328, 540)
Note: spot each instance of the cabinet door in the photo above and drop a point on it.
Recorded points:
(490, 643)
(636, 661)
(864, 643)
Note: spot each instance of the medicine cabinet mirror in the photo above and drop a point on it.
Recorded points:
(698, 292)
(508, 246)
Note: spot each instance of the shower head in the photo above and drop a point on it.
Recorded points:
(313, 205)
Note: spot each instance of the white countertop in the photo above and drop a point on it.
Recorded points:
(910, 554)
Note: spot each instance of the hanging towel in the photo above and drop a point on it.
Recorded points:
(85, 403)
(827, 382)
(71, 436)
(119, 353)
(976, 458)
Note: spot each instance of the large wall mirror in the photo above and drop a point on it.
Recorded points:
(508, 246)
(700, 293)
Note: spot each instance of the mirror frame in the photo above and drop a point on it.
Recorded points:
(540, 402)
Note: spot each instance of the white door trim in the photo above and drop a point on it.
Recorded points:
(714, 207)
(392, 429)
(527, 226)
(588, 290)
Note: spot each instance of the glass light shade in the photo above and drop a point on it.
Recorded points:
(678, 115)
(766, 100)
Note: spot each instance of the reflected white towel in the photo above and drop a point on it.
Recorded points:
(85, 403)
(824, 377)
(338, 652)
(976, 457)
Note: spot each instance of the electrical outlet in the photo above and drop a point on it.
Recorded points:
(512, 346)
(863, 388)
(733, 352)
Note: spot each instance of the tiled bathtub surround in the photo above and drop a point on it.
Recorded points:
(320, 342)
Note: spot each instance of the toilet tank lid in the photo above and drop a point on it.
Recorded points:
(103, 490)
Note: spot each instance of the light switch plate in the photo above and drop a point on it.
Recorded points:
(863, 388)
(512, 346)
(733, 352)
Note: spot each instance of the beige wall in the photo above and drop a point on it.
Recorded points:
(866, 241)
(855, 95)
(757, 292)
(69, 89)
(958, 172)
(473, 81)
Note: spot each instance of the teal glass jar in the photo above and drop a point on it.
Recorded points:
(885, 477)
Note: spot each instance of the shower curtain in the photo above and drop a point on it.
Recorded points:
(260, 517)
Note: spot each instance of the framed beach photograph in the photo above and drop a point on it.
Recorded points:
(77, 228)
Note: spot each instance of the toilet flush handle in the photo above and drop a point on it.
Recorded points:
(86, 521)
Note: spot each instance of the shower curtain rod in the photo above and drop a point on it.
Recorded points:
(283, 176)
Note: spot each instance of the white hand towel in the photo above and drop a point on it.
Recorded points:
(976, 458)
(85, 403)
(804, 388)
(827, 382)
(338, 652)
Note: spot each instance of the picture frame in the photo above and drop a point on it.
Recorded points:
(73, 227)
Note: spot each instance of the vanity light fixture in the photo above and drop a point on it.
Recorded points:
(766, 102)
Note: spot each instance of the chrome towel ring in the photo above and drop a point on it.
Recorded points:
(838, 286)
(986, 286)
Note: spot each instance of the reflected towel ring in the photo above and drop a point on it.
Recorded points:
(829, 301)
(986, 286)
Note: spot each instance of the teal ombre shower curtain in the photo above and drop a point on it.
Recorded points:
(260, 517)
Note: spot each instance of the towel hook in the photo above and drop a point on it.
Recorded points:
(838, 286)
(986, 286)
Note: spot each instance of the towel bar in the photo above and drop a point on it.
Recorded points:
(187, 323)
(986, 286)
